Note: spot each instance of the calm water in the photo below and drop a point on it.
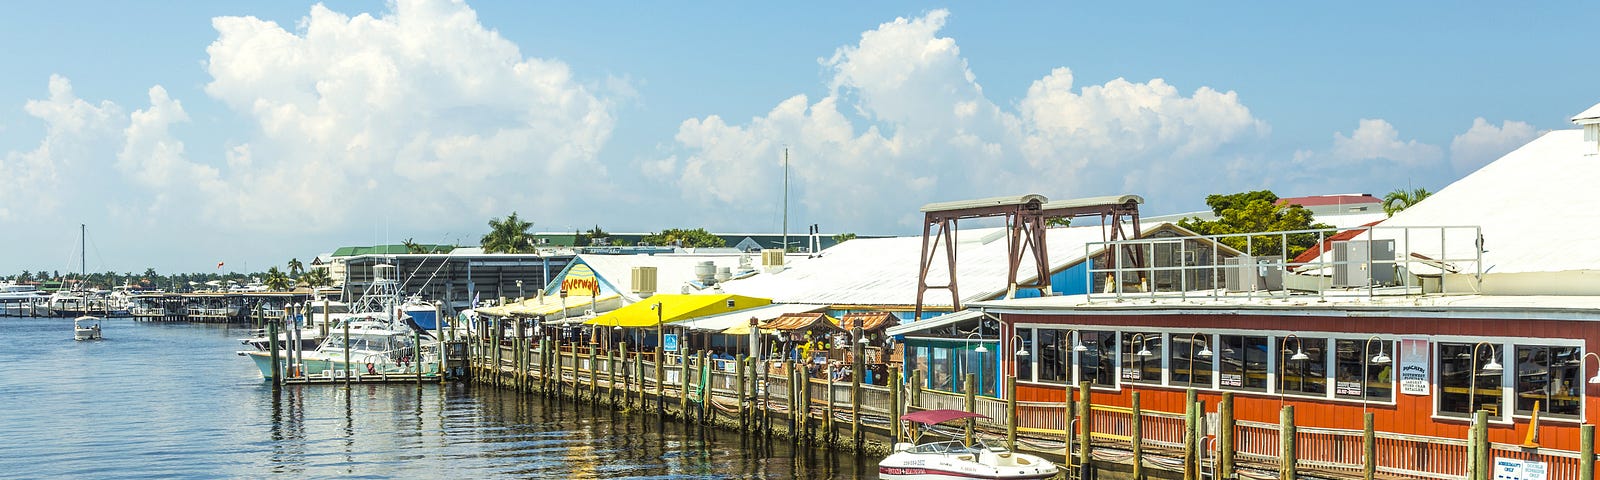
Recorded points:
(172, 400)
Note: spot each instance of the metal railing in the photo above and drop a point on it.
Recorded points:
(1184, 267)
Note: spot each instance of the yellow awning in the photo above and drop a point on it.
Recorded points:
(551, 306)
(675, 307)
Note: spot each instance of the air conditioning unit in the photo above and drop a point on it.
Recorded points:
(1360, 263)
(1240, 274)
(644, 281)
(771, 259)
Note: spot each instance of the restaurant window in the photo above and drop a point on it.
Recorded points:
(1464, 379)
(1354, 356)
(913, 358)
(1190, 360)
(1055, 355)
(1304, 376)
(1141, 357)
(1244, 362)
(1096, 364)
(1548, 380)
(981, 364)
(1024, 372)
(941, 371)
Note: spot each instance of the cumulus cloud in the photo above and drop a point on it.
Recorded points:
(905, 121)
(421, 109)
(1484, 143)
(76, 132)
(1376, 139)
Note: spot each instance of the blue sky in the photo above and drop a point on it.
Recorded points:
(188, 133)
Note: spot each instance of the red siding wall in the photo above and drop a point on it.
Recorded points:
(1411, 414)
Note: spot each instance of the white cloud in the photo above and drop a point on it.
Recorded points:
(421, 109)
(921, 129)
(1376, 139)
(76, 132)
(1484, 143)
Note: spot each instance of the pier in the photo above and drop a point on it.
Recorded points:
(775, 399)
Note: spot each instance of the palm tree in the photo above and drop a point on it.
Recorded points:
(508, 236)
(295, 267)
(317, 277)
(1400, 200)
(413, 247)
(276, 281)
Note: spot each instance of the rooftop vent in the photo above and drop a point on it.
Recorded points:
(1590, 121)
(644, 281)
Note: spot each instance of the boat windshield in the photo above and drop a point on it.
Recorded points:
(939, 448)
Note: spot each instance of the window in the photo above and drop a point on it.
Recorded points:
(941, 375)
(1547, 380)
(1463, 379)
(1353, 356)
(1244, 362)
(1190, 360)
(1025, 363)
(1095, 364)
(1307, 376)
(980, 363)
(1141, 357)
(1055, 356)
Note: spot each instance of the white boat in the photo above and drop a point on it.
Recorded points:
(374, 347)
(86, 328)
(11, 292)
(956, 460)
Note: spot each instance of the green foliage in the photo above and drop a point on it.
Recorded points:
(1058, 222)
(317, 277)
(1257, 212)
(413, 247)
(508, 236)
(843, 237)
(696, 238)
(1400, 200)
(275, 280)
(295, 267)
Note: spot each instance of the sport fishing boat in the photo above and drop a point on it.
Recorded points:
(86, 328)
(956, 460)
(372, 347)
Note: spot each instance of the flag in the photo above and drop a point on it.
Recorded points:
(219, 264)
(475, 299)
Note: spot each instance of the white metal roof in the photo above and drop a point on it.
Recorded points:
(1398, 306)
(932, 323)
(1536, 206)
(742, 317)
(673, 271)
(1591, 115)
(883, 271)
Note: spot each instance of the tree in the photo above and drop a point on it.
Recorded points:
(508, 236)
(843, 237)
(697, 238)
(1058, 222)
(413, 247)
(1257, 212)
(276, 281)
(1399, 200)
(317, 277)
(594, 236)
(295, 267)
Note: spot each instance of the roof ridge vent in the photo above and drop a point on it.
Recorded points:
(1590, 121)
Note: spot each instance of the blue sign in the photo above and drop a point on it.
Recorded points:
(669, 342)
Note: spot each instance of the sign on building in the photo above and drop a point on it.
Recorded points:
(1513, 469)
(1414, 366)
(669, 342)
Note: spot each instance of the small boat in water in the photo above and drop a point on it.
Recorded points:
(955, 460)
(86, 328)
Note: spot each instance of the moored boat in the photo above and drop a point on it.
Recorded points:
(956, 460)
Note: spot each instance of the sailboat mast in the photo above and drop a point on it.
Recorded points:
(786, 200)
(83, 231)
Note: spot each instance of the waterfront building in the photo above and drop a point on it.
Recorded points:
(1483, 297)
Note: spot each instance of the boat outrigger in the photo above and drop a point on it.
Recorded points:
(956, 460)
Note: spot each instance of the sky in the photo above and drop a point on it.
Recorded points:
(187, 134)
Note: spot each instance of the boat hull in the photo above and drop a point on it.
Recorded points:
(965, 465)
(86, 334)
(315, 366)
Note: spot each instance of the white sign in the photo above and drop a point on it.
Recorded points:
(1414, 366)
(1513, 469)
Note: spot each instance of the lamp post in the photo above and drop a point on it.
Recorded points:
(980, 350)
(519, 291)
(1472, 386)
(1283, 366)
(1596, 378)
(1379, 359)
(1144, 350)
(1204, 352)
